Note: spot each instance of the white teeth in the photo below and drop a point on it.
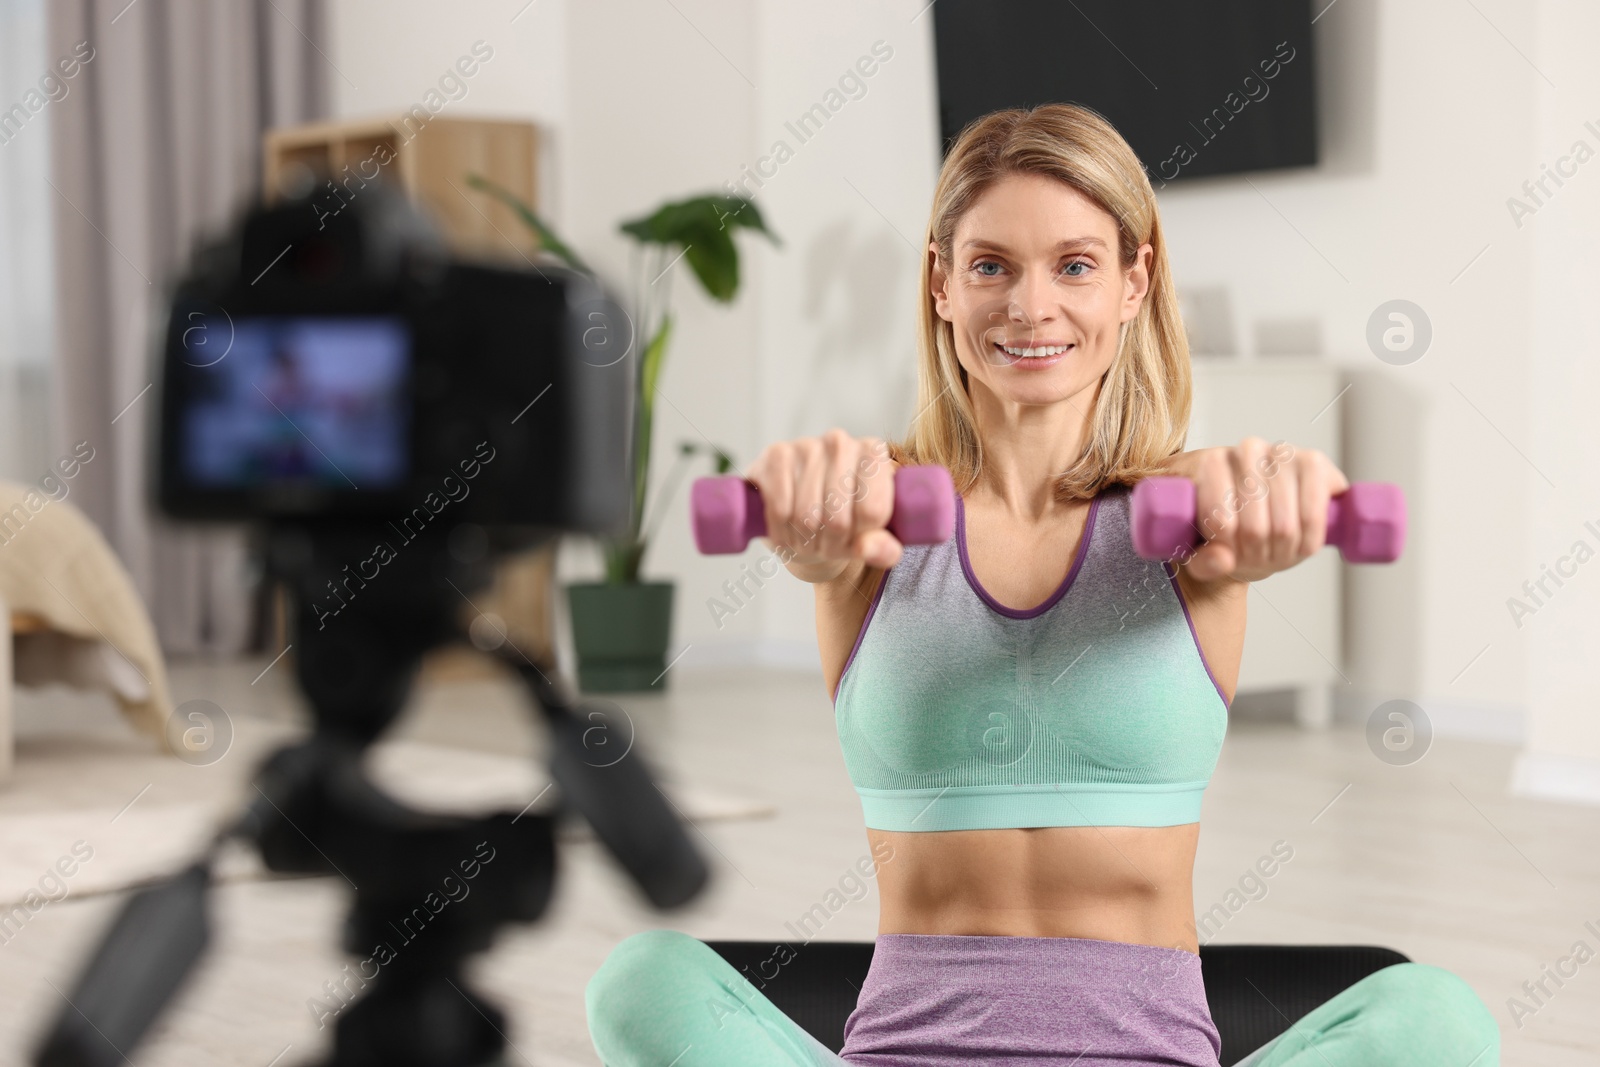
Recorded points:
(1035, 353)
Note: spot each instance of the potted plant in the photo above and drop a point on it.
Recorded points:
(621, 626)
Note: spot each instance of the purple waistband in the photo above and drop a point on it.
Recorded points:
(934, 1000)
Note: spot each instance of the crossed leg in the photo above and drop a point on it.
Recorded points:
(1413, 1014)
(663, 998)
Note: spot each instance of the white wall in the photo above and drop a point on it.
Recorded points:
(663, 107)
(1436, 114)
(1562, 638)
(647, 102)
(836, 339)
(1433, 114)
(388, 53)
(1410, 191)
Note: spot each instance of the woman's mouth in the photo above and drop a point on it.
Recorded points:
(1032, 356)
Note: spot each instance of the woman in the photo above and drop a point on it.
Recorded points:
(1029, 712)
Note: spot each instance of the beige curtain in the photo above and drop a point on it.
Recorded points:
(156, 144)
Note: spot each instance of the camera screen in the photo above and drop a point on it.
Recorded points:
(302, 401)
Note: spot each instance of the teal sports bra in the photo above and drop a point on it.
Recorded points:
(1096, 708)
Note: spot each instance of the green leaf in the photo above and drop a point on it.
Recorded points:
(740, 211)
(703, 226)
(655, 355)
(721, 460)
(547, 237)
(650, 363)
(671, 223)
(716, 263)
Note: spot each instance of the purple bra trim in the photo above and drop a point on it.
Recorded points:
(1172, 575)
(871, 610)
(1066, 583)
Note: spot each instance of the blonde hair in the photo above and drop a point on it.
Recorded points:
(1142, 414)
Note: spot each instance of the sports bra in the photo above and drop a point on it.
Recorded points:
(1095, 708)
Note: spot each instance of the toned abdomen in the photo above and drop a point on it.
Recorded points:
(1111, 883)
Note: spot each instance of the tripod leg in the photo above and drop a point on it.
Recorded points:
(420, 1019)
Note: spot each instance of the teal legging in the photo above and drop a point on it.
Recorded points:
(665, 999)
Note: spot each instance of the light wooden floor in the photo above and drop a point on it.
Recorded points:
(1435, 860)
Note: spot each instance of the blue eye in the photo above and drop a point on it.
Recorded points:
(1077, 263)
(986, 263)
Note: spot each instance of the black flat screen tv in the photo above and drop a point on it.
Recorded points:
(1196, 87)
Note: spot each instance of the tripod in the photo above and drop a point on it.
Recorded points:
(430, 890)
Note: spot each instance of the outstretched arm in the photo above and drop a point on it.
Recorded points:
(1262, 508)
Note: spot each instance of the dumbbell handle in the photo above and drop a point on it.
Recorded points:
(1367, 521)
(727, 511)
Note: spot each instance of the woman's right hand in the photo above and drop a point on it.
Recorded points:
(828, 501)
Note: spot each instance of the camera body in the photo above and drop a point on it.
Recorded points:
(345, 369)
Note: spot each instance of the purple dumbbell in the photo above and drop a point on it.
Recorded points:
(1367, 521)
(727, 511)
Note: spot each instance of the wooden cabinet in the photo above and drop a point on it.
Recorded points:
(429, 158)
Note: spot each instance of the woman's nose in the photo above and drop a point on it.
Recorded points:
(1034, 300)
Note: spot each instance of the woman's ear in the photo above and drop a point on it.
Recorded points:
(938, 280)
(1137, 282)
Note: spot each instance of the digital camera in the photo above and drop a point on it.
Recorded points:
(346, 368)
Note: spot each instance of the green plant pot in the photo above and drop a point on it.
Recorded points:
(620, 633)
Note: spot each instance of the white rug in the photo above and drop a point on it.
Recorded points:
(129, 844)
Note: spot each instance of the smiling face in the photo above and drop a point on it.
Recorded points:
(1035, 294)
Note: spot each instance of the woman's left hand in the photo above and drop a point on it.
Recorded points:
(1262, 507)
